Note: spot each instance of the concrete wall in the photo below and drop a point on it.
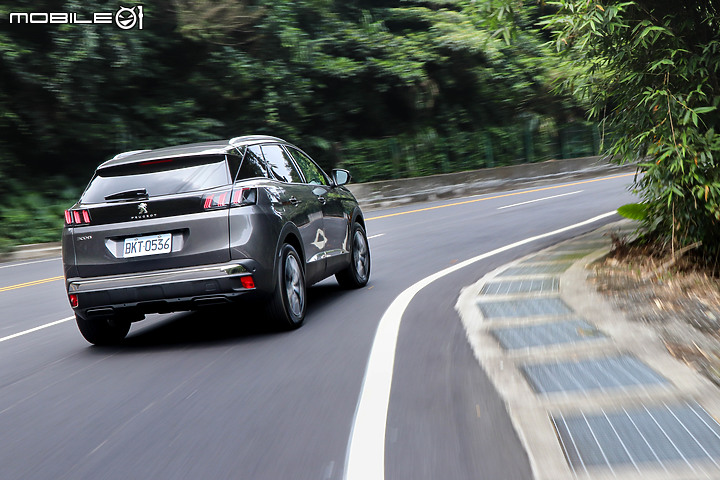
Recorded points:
(388, 193)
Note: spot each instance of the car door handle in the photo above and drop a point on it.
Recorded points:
(295, 201)
(322, 200)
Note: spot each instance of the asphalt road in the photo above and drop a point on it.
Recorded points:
(215, 394)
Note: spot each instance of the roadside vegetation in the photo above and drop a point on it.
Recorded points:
(650, 70)
(388, 89)
(385, 88)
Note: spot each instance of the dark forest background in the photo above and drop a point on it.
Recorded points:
(387, 89)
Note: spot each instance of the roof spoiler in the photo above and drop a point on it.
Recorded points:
(127, 154)
(250, 138)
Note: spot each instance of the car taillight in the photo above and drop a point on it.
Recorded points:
(216, 200)
(73, 300)
(77, 217)
(243, 196)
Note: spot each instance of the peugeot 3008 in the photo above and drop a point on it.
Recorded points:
(179, 228)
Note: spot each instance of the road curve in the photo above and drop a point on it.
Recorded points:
(215, 394)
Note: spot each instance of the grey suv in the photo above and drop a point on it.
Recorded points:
(203, 224)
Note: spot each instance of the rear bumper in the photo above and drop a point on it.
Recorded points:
(161, 291)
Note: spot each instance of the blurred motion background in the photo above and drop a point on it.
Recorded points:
(386, 89)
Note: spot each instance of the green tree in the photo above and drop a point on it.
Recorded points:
(650, 74)
(388, 88)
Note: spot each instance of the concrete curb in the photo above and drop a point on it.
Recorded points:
(531, 412)
(32, 251)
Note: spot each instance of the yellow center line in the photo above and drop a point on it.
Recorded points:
(52, 279)
(30, 284)
(500, 196)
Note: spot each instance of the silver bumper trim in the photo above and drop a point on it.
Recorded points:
(170, 276)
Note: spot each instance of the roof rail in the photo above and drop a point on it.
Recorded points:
(247, 138)
(127, 154)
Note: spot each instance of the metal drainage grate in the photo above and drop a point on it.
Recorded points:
(546, 334)
(535, 269)
(600, 374)
(533, 307)
(642, 437)
(527, 285)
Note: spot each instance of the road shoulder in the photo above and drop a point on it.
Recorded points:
(32, 252)
(533, 319)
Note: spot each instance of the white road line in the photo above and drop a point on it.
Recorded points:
(20, 334)
(539, 199)
(365, 456)
(376, 236)
(29, 263)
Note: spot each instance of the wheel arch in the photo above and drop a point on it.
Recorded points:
(357, 217)
(290, 235)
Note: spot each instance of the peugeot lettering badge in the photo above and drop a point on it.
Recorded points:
(143, 212)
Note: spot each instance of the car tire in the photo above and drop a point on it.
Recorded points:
(103, 331)
(288, 303)
(357, 273)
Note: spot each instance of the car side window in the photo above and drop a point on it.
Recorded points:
(281, 164)
(252, 165)
(233, 160)
(312, 172)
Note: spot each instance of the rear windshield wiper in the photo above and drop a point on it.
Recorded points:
(136, 194)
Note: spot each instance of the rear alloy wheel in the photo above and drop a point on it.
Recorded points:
(287, 306)
(104, 331)
(357, 274)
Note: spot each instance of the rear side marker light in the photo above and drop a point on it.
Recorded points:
(77, 217)
(247, 282)
(73, 300)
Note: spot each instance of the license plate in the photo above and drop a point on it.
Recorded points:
(149, 245)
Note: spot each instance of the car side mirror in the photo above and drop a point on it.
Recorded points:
(340, 176)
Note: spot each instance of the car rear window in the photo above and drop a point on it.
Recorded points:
(165, 176)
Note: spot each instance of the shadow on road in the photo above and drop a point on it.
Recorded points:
(232, 324)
